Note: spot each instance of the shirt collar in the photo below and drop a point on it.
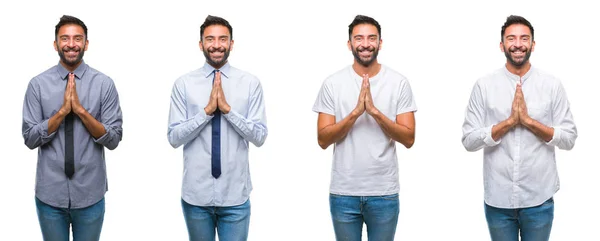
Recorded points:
(79, 71)
(517, 78)
(208, 70)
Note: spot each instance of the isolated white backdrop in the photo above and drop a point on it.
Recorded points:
(441, 46)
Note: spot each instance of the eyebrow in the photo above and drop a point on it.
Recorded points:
(370, 35)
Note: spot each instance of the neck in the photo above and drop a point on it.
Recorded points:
(69, 67)
(371, 70)
(518, 70)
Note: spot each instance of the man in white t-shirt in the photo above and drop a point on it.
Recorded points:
(363, 110)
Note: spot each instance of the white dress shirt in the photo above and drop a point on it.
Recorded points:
(519, 169)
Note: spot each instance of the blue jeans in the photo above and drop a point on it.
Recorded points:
(534, 223)
(55, 222)
(231, 223)
(379, 213)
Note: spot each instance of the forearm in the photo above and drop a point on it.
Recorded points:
(500, 129)
(94, 127)
(55, 121)
(540, 130)
(335, 132)
(397, 131)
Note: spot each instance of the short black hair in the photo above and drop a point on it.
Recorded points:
(214, 20)
(362, 19)
(514, 19)
(66, 19)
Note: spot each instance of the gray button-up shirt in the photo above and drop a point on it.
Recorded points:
(190, 126)
(43, 99)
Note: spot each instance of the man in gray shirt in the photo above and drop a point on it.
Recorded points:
(70, 113)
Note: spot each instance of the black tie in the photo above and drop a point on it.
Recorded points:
(69, 147)
(216, 140)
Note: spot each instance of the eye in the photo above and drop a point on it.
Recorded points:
(64, 39)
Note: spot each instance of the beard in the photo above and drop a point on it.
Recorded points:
(215, 62)
(365, 61)
(513, 61)
(71, 62)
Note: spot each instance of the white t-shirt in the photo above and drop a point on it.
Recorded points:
(364, 161)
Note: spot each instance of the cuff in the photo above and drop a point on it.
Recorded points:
(103, 138)
(555, 137)
(486, 135)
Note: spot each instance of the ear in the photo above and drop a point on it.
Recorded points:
(532, 45)
(380, 43)
(55, 47)
(231, 45)
(501, 46)
(349, 45)
(87, 43)
(200, 44)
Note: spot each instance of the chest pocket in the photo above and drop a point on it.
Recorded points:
(540, 112)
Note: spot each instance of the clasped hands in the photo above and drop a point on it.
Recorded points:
(518, 113)
(217, 98)
(365, 99)
(71, 99)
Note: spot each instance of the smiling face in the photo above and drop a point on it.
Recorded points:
(365, 44)
(517, 45)
(216, 43)
(70, 44)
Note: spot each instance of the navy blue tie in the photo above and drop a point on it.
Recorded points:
(215, 159)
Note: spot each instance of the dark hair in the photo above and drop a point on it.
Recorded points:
(514, 19)
(362, 19)
(66, 19)
(214, 20)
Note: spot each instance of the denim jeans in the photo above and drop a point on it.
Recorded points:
(55, 222)
(379, 213)
(231, 223)
(534, 223)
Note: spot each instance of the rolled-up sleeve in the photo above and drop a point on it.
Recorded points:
(476, 134)
(565, 131)
(35, 127)
(111, 116)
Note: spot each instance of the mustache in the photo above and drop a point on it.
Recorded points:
(67, 49)
(522, 49)
(213, 49)
(361, 48)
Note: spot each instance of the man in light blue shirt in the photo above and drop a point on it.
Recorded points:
(215, 111)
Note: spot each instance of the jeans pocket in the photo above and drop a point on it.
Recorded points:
(390, 197)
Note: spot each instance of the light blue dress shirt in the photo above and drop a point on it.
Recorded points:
(190, 126)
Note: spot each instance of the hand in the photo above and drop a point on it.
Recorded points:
(360, 106)
(523, 114)
(66, 106)
(514, 112)
(369, 105)
(75, 104)
(221, 101)
(212, 101)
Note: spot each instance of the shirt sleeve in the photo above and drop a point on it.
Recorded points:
(110, 116)
(35, 127)
(406, 101)
(252, 128)
(181, 128)
(476, 134)
(324, 102)
(565, 131)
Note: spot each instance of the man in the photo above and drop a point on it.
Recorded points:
(70, 113)
(519, 114)
(215, 111)
(364, 109)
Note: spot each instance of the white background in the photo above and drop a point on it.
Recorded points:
(443, 47)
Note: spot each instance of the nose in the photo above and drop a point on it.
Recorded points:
(518, 42)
